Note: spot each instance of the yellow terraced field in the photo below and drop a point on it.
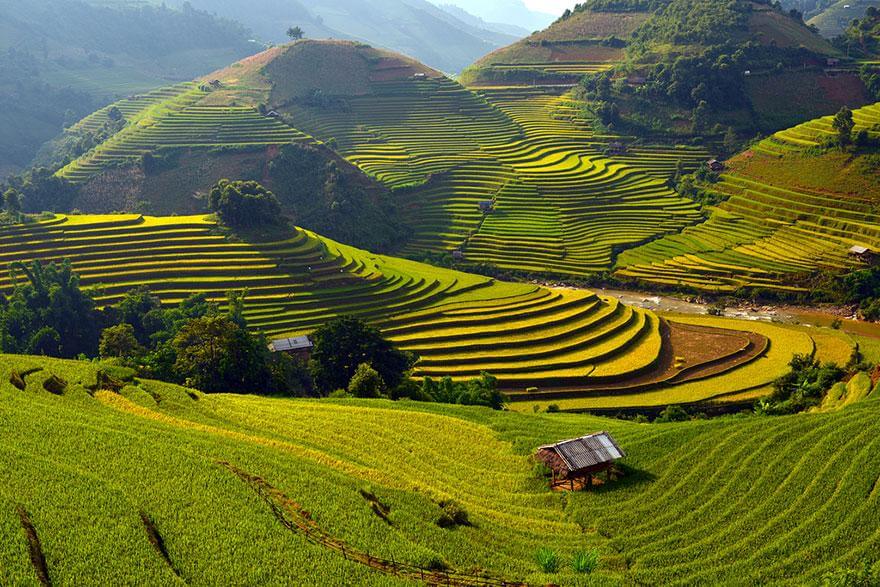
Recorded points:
(458, 324)
(768, 230)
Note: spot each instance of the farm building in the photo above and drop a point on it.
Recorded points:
(574, 462)
(861, 253)
(458, 255)
(299, 346)
(486, 206)
(715, 165)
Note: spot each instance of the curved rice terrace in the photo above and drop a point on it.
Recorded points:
(174, 118)
(733, 500)
(560, 205)
(568, 343)
(769, 230)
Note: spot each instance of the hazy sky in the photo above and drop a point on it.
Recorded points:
(551, 6)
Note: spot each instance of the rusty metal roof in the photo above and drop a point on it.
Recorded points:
(587, 451)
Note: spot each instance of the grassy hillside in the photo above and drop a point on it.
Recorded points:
(231, 486)
(792, 206)
(564, 343)
(445, 149)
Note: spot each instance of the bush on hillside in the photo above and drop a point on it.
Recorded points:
(482, 391)
(452, 514)
(802, 387)
(366, 382)
(244, 204)
(548, 560)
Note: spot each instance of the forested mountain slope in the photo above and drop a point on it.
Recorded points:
(682, 67)
(61, 59)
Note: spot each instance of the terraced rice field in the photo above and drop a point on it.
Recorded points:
(458, 323)
(560, 205)
(765, 232)
(572, 341)
(734, 500)
(175, 118)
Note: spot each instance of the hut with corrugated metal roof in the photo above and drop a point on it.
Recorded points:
(574, 462)
(298, 346)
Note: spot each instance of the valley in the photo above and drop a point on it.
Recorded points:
(327, 314)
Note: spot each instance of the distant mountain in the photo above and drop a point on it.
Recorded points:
(413, 27)
(61, 59)
(499, 27)
(514, 12)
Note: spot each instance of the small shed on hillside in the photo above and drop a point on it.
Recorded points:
(861, 253)
(298, 346)
(486, 206)
(715, 165)
(574, 462)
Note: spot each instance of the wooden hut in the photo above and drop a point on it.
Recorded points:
(486, 206)
(298, 346)
(715, 165)
(862, 253)
(574, 462)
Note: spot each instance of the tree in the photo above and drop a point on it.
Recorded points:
(700, 116)
(843, 123)
(48, 313)
(295, 33)
(214, 354)
(242, 204)
(366, 382)
(119, 342)
(12, 201)
(345, 343)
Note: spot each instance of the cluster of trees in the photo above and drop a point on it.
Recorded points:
(244, 204)
(844, 127)
(802, 387)
(197, 344)
(326, 194)
(40, 190)
(48, 314)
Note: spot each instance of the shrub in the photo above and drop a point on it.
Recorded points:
(585, 561)
(548, 560)
(552, 408)
(366, 382)
(672, 414)
(452, 514)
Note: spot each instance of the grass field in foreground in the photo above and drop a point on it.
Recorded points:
(733, 500)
